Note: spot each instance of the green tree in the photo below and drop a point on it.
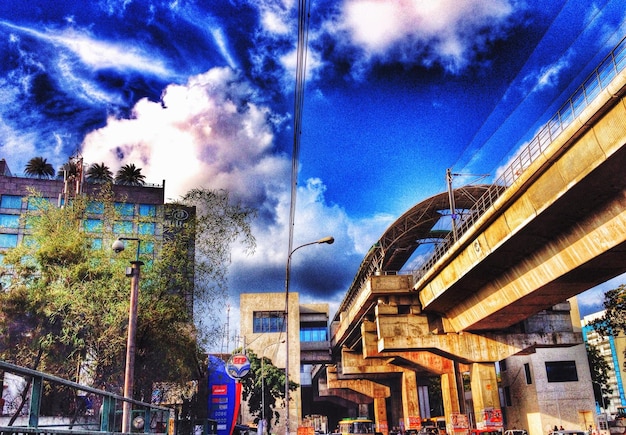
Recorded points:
(99, 173)
(600, 369)
(219, 224)
(39, 167)
(130, 175)
(613, 322)
(66, 303)
(273, 386)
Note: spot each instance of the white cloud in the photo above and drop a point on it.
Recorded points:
(208, 134)
(99, 54)
(276, 16)
(547, 76)
(212, 134)
(446, 32)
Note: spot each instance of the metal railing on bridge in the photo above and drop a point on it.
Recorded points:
(613, 64)
(38, 403)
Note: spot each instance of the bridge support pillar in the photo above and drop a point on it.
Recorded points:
(484, 386)
(410, 400)
(380, 415)
(450, 394)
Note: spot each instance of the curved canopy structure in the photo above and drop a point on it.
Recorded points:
(409, 231)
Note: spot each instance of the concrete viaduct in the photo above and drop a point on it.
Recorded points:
(552, 226)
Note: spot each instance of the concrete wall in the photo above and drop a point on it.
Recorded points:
(269, 344)
(540, 405)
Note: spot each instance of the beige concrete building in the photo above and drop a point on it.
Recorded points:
(262, 327)
(550, 387)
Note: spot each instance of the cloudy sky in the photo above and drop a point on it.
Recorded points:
(201, 94)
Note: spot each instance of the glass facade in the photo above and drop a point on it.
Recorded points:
(93, 225)
(11, 201)
(147, 210)
(123, 227)
(125, 209)
(8, 240)
(146, 228)
(38, 203)
(316, 333)
(9, 221)
(268, 321)
(95, 207)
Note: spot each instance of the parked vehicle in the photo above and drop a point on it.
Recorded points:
(356, 426)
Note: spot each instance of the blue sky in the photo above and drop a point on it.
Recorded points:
(200, 94)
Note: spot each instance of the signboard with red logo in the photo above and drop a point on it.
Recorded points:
(460, 422)
(238, 366)
(224, 397)
(415, 422)
(492, 417)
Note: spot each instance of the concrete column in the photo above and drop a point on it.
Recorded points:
(410, 400)
(450, 394)
(484, 390)
(380, 415)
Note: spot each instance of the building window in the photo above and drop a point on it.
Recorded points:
(122, 227)
(317, 333)
(561, 371)
(507, 396)
(147, 248)
(9, 220)
(502, 365)
(268, 321)
(147, 210)
(96, 244)
(8, 240)
(11, 201)
(30, 241)
(95, 207)
(38, 203)
(529, 379)
(146, 228)
(92, 225)
(125, 209)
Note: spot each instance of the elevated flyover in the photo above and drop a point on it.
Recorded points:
(550, 227)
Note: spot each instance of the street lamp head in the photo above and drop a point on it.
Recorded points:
(117, 246)
(330, 240)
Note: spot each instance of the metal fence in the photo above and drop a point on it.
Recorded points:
(38, 403)
(598, 80)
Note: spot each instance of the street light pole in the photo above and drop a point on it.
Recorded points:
(329, 240)
(134, 272)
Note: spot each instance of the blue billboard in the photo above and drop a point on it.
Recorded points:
(224, 396)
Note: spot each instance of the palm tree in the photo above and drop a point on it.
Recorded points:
(39, 167)
(130, 175)
(99, 173)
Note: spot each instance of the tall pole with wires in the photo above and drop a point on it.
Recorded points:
(303, 31)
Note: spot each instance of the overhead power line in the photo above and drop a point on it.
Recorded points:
(302, 43)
